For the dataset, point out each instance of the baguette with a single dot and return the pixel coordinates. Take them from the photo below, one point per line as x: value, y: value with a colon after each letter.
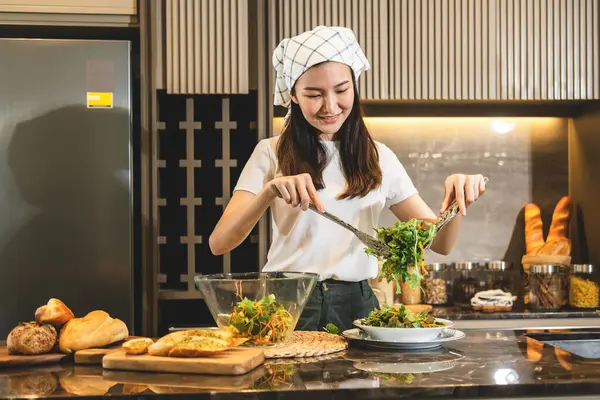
x: 54, y: 313
x: 534, y: 234
x: 560, y: 219
x: 556, y: 247
x: 96, y: 329
x: 194, y: 343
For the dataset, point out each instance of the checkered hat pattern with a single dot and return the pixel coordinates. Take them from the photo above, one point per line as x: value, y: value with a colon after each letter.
x: 293, y: 56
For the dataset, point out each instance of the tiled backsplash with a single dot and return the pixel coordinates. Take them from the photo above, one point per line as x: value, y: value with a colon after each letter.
x: 526, y: 160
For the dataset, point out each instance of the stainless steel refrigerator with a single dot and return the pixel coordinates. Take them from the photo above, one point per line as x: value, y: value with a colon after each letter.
x: 65, y: 178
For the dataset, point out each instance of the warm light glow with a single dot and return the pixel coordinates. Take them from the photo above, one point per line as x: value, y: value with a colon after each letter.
x: 461, y: 124
x: 502, y: 127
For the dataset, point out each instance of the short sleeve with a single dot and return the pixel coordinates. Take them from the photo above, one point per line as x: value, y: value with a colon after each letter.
x: 258, y: 170
x: 399, y: 186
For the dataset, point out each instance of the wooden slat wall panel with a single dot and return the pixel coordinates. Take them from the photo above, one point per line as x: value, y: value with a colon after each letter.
x: 110, y: 7
x: 464, y: 49
x: 207, y: 46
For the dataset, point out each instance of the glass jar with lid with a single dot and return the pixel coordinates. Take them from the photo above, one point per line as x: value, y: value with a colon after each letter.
x: 583, y: 286
x: 547, y: 287
x: 437, y: 284
x: 498, y: 274
x: 468, y: 282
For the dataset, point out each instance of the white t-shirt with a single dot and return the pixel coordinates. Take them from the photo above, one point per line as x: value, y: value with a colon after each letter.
x: 303, y: 241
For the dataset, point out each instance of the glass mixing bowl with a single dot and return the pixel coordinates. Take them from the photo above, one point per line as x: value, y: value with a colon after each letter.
x: 263, y: 306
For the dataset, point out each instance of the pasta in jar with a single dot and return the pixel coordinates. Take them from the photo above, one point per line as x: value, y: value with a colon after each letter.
x: 584, y: 291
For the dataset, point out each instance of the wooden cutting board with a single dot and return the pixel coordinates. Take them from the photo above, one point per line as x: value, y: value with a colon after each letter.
x: 236, y: 361
x: 13, y: 360
x: 95, y: 356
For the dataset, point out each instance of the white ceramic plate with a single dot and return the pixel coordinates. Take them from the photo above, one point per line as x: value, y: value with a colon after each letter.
x: 362, y: 338
x: 404, y: 335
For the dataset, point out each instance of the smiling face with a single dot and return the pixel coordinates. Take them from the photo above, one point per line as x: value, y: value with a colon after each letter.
x: 325, y: 95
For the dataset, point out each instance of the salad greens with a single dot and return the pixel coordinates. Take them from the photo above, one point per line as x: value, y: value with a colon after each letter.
x: 331, y: 328
x: 407, y: 241
x: 391, y: 317
x: 264, y: 321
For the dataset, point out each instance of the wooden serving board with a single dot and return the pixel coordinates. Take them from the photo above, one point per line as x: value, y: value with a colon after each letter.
x: 94, y: 356
x: 236, y: 361
x: 17, y: 360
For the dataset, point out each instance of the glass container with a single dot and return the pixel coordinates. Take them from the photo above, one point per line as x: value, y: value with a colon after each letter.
x: 467, y: 283
x: 437, y: 285
x: 498, y: 276
x: 583, y: 286
x: 547, y: 287
x: 278, y: 298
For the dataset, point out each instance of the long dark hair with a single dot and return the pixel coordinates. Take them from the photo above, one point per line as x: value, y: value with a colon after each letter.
x: 300, y: 151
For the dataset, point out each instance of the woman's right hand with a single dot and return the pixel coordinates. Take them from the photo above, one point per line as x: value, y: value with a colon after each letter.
x: 298, y: 190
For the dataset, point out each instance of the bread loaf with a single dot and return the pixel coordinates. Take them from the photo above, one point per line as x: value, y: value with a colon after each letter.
x: 556, y: 247
x: 194, y: 343
x: 96, y: 329
x: 534, y: 234
x: 55, y: 313
x: 31, y: 338
x: 560, y: 219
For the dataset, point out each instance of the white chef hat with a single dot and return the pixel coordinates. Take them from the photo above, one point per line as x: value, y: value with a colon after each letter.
x: 293, y: 56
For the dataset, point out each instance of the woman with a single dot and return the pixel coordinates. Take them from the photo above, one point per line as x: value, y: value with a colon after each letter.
x: 326, y: 156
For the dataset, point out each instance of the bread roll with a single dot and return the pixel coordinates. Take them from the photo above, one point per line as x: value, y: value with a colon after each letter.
x: 31, y: 338
x: 137, y: 346
x: 96, y: 329
x: 55, y: 313
x: 560, y: 219
x: 534, y: 233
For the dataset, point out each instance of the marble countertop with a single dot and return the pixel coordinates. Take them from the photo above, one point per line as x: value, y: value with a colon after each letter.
x: 498, y: 364
x: 519, y: 311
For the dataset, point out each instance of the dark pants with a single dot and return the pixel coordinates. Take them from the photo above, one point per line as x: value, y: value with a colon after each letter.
x: 337, y: 302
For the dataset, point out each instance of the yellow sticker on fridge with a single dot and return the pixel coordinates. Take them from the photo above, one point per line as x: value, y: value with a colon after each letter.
x: 99, y: 100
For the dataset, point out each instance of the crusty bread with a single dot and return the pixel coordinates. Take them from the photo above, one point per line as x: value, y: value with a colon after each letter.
x: 137, y: 346
x: 197, y: 346
x: 556, y: 247
x: 55, y: 313
x: 31, y: 338
x: 194, y: 343
x: 534, y: 234
x: 96, y: 329
x: 561, y: 218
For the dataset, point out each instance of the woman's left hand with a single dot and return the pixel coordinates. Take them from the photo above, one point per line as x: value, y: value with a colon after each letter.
x: 465, y: 189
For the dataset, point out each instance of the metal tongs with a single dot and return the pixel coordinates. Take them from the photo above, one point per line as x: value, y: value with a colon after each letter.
x: 382, y: 249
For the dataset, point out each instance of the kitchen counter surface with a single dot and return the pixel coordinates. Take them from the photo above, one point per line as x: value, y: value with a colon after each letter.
x: 519, y: 311
x: 496, y: 364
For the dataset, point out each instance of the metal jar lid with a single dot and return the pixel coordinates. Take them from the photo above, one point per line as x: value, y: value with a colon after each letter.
x: 498, y: 266
x: 544, y: 269
x: 436, y: 267
x: 466, y: 265
x: 582, y: 268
